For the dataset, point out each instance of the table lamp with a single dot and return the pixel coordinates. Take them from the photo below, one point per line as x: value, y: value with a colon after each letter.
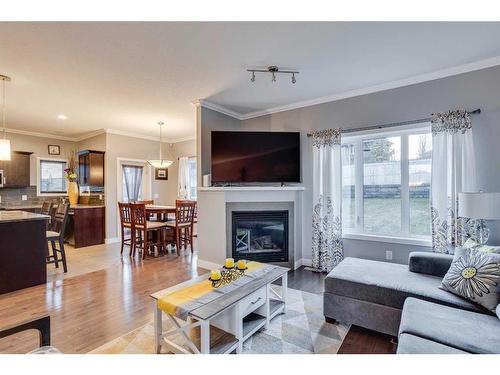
x: 480, y: 206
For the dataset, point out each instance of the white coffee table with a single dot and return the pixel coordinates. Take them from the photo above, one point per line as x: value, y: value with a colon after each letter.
x: 240, y: 313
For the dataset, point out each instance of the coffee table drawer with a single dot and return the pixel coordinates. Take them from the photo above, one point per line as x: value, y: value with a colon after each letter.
x: 253, y: 301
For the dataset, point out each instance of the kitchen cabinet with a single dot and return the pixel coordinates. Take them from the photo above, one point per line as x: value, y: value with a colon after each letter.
x: 86, y: 225
x: 16, y: 171
x: 91, y: 169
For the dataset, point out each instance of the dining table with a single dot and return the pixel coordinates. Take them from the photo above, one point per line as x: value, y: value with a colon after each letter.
x: 160, y: 211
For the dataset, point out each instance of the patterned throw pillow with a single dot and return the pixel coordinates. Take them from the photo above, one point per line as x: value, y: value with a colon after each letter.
x: 475, y: 275
x: 471, y: 244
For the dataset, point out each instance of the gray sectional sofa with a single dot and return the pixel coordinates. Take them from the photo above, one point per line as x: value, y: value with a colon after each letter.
x: 407, y: 301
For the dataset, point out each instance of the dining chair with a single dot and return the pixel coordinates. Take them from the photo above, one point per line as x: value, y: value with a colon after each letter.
x: 144, y: 229
x: 47, y: 210
x: 56, y: 234
x: 182, y: 228
x: 126, y: 224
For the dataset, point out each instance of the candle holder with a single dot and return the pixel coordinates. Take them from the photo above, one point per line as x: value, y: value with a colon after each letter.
x: 227, y: 276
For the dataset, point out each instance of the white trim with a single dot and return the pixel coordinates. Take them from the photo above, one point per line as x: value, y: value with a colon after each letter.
x: 38, y: 181
x: 96, y: 133
x: 111, y: 240
x: 302, y: 262
x: 421, y: 78
x: 251, y: 188
x: 217, y: 108
x: 388, y: 239
x: 40, y: 134
x: 208, y: 265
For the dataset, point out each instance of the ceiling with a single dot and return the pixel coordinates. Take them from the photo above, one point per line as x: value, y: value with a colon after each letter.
x: 127, y: 76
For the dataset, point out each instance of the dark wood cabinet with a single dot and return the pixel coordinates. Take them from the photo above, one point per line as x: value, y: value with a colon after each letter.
x: 16, y: 171
x: 91, y: 169
x: 86, y: 226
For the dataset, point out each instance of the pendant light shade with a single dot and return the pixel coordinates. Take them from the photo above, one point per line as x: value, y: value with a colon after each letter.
x: 4, y: 143
x: 160, y: 163
x: 4, y: 149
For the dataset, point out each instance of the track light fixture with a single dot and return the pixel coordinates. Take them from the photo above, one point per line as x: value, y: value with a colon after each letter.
x: 273, y: 70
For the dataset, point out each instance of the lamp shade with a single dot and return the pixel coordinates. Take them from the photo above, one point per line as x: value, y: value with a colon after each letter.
x: 484, y: 206
x: 4, y: 149
x: 160, y: 163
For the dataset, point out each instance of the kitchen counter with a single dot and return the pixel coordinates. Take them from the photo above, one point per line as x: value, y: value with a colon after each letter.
x: 21, y: 207
x: 23, y: 250
x: 78, y: 206
x: 14, y: 216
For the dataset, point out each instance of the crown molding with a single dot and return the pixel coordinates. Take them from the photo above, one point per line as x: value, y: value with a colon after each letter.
x: 94, y: 134
x: 443, y: 73
x: 40, y: 134
x: 217, y: 108
x: 149, y: 138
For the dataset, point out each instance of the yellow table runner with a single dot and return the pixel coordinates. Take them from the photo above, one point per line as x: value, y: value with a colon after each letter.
x: 173, y: 300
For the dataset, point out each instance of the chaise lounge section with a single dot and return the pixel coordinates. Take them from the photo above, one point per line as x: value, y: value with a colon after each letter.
x: 372, y: 294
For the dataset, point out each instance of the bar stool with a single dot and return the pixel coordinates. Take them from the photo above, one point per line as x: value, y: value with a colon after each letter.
x: 144, y: 228
x: 56, y: 233
x: 126, y: 223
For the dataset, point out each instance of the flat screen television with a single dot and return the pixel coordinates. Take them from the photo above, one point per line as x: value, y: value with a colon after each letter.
x: 255, y: 157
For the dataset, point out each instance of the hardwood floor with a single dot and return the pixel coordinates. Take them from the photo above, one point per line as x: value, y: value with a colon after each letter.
x: 91, y: 309
x: 104, y: 296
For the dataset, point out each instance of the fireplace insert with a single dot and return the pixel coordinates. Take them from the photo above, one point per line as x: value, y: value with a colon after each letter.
x: 260, y: 235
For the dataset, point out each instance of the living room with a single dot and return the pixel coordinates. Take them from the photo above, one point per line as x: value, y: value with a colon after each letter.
x: 264, y: 188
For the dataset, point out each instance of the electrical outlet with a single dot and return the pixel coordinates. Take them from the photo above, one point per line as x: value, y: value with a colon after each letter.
x: 388, y: 254
x: 0, y: 199
x: 100, y: 197
x: 24, y: 197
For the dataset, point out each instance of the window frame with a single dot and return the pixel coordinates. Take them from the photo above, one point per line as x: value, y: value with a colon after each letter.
x: 192, y: 160
x: 357, y: 232
x: 39, y: 192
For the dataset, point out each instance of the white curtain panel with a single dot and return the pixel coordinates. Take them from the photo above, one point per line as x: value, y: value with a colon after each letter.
x: 453, y: 171
x: 327, y: 249
x: 183, y: 178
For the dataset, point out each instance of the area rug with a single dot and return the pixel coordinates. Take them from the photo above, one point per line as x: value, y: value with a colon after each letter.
x: 301, y: 330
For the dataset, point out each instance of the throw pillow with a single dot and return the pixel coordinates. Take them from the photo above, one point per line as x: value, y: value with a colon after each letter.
x: 498, y: 311
x: 475, y: 275
x: 471, y: 244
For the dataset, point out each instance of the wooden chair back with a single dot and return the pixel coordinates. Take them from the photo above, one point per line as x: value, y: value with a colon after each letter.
x: 60, y: 218
x: 184, y: 211
x: 125, y: 214
x: 46, y: 208
x: 138, y: 214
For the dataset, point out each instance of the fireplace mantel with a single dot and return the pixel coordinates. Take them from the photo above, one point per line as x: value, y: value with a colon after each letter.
x: 213, y: 218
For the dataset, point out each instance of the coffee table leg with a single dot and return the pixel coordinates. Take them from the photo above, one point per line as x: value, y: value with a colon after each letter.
x: 158, y: 328
x: 205, y: 337
x: 284, y: 283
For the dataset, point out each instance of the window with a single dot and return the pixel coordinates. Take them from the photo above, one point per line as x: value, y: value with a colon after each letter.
x: 51, y: 179
x: 192, y: 179
x: 386, y: 183
x: 132, y: 183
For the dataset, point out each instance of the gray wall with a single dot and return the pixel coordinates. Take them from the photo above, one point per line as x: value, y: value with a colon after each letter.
x: 207, y: 121
x: 480, y: 89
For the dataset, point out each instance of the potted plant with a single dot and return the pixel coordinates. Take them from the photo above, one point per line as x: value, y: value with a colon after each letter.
x: 72, y: 177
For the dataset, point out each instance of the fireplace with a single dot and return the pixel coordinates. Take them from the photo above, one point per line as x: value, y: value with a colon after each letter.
x: 260, y: 235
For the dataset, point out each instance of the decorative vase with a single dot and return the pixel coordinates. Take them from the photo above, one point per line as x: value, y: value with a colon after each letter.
x: 73, y: 193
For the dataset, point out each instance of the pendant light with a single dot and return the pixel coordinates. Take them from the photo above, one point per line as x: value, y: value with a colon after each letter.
x: 4, y: 143
x: 161, y: 163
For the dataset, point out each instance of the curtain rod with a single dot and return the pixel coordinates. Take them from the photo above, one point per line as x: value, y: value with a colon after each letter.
x: 394, y: 124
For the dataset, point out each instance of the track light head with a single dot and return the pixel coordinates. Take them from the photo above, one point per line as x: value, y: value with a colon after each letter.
x: 274, y: 77
x: 293, y: 78
x: 253, y: 77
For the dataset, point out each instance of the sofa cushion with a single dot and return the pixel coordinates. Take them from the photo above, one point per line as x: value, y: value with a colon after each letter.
x: 435, y: 264
x: 475, y: 275
x: 410, y: 344
x: 498, y: 311
x: 463, y: 330
x: 388, y: 284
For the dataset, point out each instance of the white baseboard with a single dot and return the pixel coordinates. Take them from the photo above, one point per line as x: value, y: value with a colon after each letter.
x: 111, y: 240
x: 208, y: 265
x: 302, y: 262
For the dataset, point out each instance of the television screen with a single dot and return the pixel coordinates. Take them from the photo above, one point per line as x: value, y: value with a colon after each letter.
x: 255, y: 156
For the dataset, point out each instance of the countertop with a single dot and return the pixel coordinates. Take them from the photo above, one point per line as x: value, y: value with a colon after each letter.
x: 76, y: 206
x: 21, y: 207
x: 13, y: 216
